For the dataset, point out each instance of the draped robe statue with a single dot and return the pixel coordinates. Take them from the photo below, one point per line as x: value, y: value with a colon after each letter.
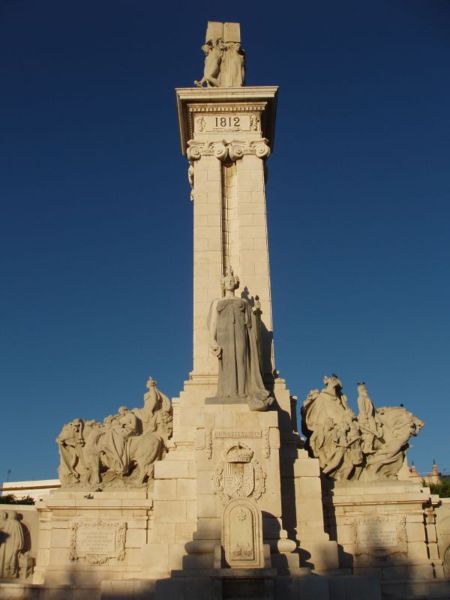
x: 233, y: 340
x: 11, y: 543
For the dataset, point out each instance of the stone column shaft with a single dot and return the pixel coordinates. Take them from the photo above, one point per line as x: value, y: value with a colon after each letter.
x: 226, y: 135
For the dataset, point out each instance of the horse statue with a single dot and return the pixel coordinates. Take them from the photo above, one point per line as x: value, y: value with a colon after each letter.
x: 120, y: 451
x: 367, y: 447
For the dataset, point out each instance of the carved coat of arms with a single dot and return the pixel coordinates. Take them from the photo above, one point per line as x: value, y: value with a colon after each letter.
x: 240, y: 475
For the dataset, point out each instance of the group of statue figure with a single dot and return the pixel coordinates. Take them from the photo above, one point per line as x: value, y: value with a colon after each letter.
x: 11, y: 544
x: 224, y: 64
x: 367, y: 447
x: 119, y: 451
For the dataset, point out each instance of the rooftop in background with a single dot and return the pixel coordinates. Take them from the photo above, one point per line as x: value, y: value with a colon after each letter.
x: 34, y: 489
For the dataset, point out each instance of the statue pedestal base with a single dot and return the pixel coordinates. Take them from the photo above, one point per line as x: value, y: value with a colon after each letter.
x: 384, y: 528
x: 86, y: 537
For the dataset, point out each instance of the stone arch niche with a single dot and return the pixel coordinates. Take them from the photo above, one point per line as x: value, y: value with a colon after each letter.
x: 242, y: 536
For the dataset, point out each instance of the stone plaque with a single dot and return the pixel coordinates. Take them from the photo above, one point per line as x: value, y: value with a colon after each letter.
x: 97, y: 542
x: 220, y: 123
x: 380, y: 535
x: 242, y: 535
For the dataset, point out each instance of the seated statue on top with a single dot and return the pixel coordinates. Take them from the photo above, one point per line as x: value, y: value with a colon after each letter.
x: 367, y: 447
x: 121, y: 450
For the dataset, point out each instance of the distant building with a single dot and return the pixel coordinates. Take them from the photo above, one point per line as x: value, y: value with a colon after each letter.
x: 431, y: 478
x: 34, y: 489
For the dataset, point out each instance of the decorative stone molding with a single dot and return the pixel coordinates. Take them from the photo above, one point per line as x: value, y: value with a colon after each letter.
x: 239, y: 475
x: 227, y: 150
x: 97, y: 542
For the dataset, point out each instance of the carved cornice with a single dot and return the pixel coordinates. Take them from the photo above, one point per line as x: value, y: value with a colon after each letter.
x: 223, y: 108
x: 227, y: 150
x: 258, y: 100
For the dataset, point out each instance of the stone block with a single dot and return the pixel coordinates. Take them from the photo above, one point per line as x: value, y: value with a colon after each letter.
x: 354, y: 588
x: 306, y: 467
x: 271, y: 503
x: 170, y: 511
x: 184, y: 531
x: 417, y: 551
x: 308, y: 487
x: 186, y: 489
x: 165, y: 489
x: 176, y: 554
x: 345, y: 534
x: 136, y: 538
x: 171, y: 469
x: 198, y: 561
x: 415, y: 532
x: 191, y: 510
x: 207, y: 506
x: 155, y: 558
x: 205, y: 483
x: 208, y: 529
x: 431, y: 533
x: 163, y: 532
x: 322, y: 556
x: 195, y: 588
x: 304, y: 586
x: 60, y: 538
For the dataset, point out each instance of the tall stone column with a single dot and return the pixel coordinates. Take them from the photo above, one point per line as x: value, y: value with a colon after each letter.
x: 226, y: 134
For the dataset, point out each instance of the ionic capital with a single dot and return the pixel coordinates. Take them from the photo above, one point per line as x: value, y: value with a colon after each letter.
x: 227, y: 150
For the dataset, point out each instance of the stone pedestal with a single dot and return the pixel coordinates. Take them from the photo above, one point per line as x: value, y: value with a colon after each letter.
x: 86, y: 537
x: 383, y: 529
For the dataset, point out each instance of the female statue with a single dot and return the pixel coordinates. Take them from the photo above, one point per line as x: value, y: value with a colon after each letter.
x: 232, y: 339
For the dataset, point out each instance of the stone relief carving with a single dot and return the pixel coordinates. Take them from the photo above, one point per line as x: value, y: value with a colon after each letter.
x: 369, y: 446
x: 232, y: 339
x: 121, y: 450
x: 242, y: 535
x: 224, y: 57
x: 227, y: 150
x: 97, y: 542
x: 11, y: 544
x: 239, y: 475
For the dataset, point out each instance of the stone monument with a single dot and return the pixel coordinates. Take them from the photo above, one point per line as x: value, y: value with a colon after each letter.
x: 214, y: 494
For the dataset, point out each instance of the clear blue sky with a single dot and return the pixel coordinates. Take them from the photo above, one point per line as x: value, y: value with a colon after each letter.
x: 96, y: 222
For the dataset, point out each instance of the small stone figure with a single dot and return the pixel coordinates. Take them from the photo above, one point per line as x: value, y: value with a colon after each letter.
x: 213, y: 58
x: 11, y: 543
x: 115, y: 446
x: 232, y: 335
x: 367, y: 447
x: 120, y: 451
x: 224, y: 57
x: 371, y: 428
